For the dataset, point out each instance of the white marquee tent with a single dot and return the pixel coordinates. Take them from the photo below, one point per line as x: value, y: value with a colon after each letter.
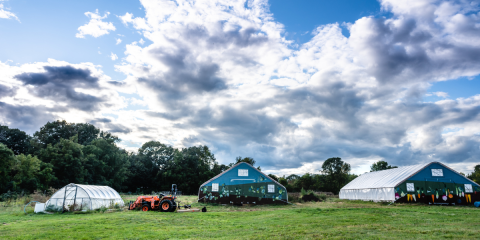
x: 88, y: 197
x: 380, y: 185
x: 409, y: 183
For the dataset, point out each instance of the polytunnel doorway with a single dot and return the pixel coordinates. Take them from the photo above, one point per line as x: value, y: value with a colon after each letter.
x: 77, y: 197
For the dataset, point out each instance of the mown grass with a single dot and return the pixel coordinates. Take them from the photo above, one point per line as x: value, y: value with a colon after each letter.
x: 331, y: 219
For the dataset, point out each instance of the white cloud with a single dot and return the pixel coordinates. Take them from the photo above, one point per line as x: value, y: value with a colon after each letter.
x: 32, y: 94
x: 354, y: 97
x: 221, y: 73
x: 95, y: 27
x: 6, y: 14
x: 118, y: 41
x: 438, y: 94
x: 141, y: 41
x: 113, y: 56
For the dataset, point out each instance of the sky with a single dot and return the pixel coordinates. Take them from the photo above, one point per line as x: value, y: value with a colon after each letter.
x: 289, y: 83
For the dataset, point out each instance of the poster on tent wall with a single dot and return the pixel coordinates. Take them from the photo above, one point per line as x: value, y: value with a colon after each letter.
x: 437, y: 193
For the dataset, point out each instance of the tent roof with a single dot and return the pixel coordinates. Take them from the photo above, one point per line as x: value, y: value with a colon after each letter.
x: 390, y: 178
x: 386, y: 178
x: 234, y: 166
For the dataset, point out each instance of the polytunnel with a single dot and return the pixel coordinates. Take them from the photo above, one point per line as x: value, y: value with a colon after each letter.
x: 81, y: 197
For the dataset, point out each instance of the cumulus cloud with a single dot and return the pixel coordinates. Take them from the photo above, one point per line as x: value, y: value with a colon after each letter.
x: 221, y: 73
x: 230, y: 80
x: 61, y: 83
x: 95, y: 27
x: 118, y: 41
x: 32, y: 94
x: 113, y: 56
x: 6, y: 14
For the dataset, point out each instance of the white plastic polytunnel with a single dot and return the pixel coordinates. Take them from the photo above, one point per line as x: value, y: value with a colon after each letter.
x: 84, y: 197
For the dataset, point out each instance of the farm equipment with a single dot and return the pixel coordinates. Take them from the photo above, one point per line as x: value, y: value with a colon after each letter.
x: 161, y: 202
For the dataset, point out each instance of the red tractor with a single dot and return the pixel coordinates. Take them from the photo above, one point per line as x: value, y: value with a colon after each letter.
x: 155, y: 203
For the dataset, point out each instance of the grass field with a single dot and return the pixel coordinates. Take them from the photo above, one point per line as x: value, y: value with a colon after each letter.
x: 331, y: 219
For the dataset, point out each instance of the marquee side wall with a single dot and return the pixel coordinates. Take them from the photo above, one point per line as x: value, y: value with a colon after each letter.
x: 370, y: 194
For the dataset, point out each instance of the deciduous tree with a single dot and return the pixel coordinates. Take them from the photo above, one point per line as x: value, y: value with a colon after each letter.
x: 16, y: 140
x: 475, y: 175
x: 380, y: 165
x: 7, y: 160
x: 336, y: 174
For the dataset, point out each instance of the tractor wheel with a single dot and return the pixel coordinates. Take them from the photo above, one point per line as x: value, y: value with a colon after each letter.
x: 145, y: 208
x: 167, y: 206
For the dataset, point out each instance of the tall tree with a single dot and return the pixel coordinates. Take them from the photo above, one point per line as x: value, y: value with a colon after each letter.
x: 146, y: 166
x: 219, y: 168
x: 157, y: 166
x: 7, y: 161
x: 273, y: 177
x: 68, y: 161
x: 87, y: 133
x: 248, y: 160
x: 26, y: 171
x: 475, y: 175
x: 18, y: 141
x: 380, y: 165
x: 53, y: 132
x: 106, y: 164
x: 190, y: 168
x: 292, y: 177
x: 336, y: 174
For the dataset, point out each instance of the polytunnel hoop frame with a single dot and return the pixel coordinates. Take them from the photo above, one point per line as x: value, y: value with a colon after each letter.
x: 103, y: 194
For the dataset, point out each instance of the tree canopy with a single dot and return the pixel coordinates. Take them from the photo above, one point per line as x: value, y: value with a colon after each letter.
x: 16, y: 140
x: 61, y: 153
x: 337, y: 174
x: 380, y: 165
x: 475, y: 175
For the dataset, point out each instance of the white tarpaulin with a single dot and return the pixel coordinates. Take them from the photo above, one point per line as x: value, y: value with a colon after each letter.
x: 39, y: 207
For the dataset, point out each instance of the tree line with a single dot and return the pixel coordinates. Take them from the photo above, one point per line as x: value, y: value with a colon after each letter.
x: 60, y: 153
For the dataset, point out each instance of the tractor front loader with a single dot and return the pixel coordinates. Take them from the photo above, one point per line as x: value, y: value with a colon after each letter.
x: 155, y: 203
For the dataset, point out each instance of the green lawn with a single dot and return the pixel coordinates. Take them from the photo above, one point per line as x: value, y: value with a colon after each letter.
x: 332, y: 219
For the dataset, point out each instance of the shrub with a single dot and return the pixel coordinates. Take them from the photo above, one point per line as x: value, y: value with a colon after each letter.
x: 322, y: 197
x: 27, y: 199
x: 102, y: 209
x: 39, y: 196
x: 310, y: 197
x: 117, y: 206
x: 294, y: 197
x: 303, y: 192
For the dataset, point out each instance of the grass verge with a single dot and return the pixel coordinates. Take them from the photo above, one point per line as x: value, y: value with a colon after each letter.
x: 333, y: 218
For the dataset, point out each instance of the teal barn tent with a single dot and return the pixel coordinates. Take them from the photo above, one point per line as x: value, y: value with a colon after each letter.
x: 242, y: 184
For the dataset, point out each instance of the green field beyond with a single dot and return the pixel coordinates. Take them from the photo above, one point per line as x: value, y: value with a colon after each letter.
x: 331, y: 219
